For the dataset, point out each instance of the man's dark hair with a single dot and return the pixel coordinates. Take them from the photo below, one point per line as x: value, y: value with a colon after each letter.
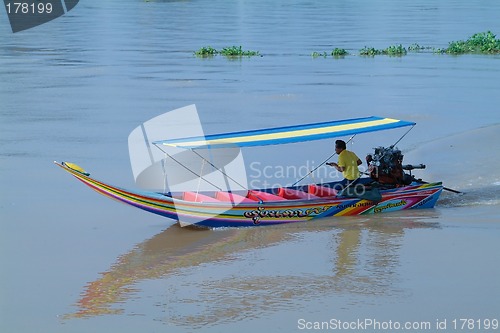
x: 340, y: 144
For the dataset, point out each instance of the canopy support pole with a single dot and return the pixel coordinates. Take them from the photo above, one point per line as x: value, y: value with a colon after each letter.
x: 219, y: 169
x: 164, y: 167
x: 199, y: 181
x: 185, y: 167
x: 401, y: 138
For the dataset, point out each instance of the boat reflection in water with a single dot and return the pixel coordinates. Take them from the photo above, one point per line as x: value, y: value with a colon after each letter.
x: 361, y: 256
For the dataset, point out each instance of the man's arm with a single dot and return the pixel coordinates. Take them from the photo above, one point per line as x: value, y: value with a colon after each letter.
x: 336, y: 166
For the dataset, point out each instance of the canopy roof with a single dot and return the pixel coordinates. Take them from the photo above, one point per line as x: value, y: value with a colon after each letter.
x: 288, y: 134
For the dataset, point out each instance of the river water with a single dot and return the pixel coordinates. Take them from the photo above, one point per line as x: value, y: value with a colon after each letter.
x: 74, y: 88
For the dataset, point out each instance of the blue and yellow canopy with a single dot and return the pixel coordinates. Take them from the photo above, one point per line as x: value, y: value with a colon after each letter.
x: 288, y: 134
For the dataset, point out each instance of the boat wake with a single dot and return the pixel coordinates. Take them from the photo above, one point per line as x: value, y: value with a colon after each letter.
x: 485, y: 196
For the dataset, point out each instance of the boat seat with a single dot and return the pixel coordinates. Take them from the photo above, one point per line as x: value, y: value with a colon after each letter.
x: 264, y: 196
x: 198, y: 197
x: 321, y: 191
x: 291, y: 194
x: 232, y: 197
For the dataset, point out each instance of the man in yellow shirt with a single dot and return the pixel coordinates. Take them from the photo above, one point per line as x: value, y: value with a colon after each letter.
x: 347, y: 164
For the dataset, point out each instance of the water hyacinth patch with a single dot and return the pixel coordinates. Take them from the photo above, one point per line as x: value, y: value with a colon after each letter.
x: 336, y: 53
x: 483, y: 43
x: 339, y: 52
x: 237, y: 51
x: 319, y: 54
x: 233, y: 51
x: 369, y: 51
x: 418, y: 48
x: 395, y: 50
x: 206, y: 51
x: 479, y: 43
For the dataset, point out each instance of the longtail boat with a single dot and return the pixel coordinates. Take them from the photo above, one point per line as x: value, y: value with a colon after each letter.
x: 278, y: 205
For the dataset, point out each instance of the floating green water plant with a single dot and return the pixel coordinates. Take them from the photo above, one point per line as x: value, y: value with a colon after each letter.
x: 479, y: 43
x: 319, y: 54
x: 483, y: 42
x: 206, y: 51
x: 237, y: 51
x: 233, y: 51
x: 395, y: 50
x: 417, y: 48
x: 339, y: 52
x: 369, y: 51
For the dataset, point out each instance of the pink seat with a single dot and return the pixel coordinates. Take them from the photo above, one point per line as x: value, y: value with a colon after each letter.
x: 291, y: 194
x: 322, y: 191
x: 232, y: 197
x: 264, y: 196
x: 198, y: 197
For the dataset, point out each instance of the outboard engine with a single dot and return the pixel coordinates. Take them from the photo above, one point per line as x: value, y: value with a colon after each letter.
x: 386, y: 166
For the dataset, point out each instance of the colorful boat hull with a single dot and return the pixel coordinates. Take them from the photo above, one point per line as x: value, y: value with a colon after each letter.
x: 260, y: 213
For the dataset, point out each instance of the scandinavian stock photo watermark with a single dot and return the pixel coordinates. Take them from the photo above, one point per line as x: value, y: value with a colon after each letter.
x: 27, y: 14
x: 372, y: 324
x: 262, y: 175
